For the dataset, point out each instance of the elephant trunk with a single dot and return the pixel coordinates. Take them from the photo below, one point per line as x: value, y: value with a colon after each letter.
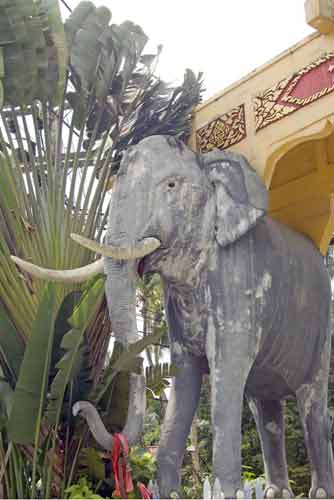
x: 121, y: 296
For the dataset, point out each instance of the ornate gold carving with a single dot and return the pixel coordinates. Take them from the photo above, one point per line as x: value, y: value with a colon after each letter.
x: 289, y: 95
x: 223, y: 132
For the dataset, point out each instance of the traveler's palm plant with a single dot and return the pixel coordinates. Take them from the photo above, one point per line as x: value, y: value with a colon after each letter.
x: 73, y: 96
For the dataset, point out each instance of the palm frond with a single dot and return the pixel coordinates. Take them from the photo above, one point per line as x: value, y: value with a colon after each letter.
x: 32, y: 41
x: 157, y: 376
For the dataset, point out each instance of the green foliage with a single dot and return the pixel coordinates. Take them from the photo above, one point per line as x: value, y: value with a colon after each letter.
x: 157, y: 377
x: 6, y: 403
x: 81, y: 490
x: 31, y: 37
x: 32, y: 384
x: 69, y: 365
x: 93, y: 478
x: 96, y: 469
x: 91, y: 464
x: 299, y: 468
x: 143, y: 465
x: 11, y: 347
x: 192, y: 480
x: 126, y: 360
x: 152, y: 424
x: 298, y: 464
x: 81, y: 382
x: 112, y: 394
x: 151, y: 307
x: 250, y: 447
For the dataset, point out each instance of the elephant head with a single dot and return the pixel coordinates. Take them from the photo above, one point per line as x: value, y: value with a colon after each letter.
x: 170, y: 204
x: 169, y: 207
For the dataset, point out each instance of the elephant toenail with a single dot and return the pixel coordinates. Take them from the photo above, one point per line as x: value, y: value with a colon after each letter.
x: 270, y: 493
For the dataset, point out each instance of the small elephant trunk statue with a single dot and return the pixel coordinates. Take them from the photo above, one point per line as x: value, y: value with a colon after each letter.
x: 136, y: 410
x: 95, y: 424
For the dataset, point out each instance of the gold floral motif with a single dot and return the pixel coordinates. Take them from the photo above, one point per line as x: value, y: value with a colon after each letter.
x: 223, y: 132
x: 276, y: 102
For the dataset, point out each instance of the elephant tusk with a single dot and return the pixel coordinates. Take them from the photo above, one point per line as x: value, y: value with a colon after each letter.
x: 145, y: 247
x: 77, y: 275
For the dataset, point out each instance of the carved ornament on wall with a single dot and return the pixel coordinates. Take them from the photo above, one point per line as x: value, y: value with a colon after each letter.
x: 223, y: 132
x: 291, y: 94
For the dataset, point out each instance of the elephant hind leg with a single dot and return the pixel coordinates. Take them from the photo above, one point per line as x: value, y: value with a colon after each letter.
x: 317, y: 425
x: 269, y: 419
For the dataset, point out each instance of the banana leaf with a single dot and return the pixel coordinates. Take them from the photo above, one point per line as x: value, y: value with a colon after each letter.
x: 31, y: 388
x: 6, y: 402
x: 124, y: 360
x: 11, y: 348
x: 72, y: 344
x: 112, y: 392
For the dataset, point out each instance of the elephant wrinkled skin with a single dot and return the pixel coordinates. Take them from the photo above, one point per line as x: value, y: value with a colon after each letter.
x: 247, y: 301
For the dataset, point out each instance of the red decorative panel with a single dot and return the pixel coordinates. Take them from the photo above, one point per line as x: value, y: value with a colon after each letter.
x: 304, y: 87
x: 223, y: 132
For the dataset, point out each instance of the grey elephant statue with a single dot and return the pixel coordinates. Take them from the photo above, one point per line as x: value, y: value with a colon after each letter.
x: 247, y: 300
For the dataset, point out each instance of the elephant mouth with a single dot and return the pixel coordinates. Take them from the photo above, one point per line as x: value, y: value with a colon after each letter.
x: 141, y: 268
x: 149, y: 263
x: 144, y: 265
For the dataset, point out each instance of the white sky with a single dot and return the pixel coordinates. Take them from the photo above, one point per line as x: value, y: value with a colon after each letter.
x: 226, y: 39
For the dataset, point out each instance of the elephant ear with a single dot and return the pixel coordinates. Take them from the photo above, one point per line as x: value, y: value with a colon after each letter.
x: 241, y: 196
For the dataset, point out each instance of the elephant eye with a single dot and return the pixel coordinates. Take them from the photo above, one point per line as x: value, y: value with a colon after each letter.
x: 171, y: 184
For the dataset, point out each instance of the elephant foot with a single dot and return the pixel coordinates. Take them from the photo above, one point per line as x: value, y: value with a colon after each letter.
x: 173, y: 495
x: 273, y: 491
x: 239, y: 495
x: 320, y: 492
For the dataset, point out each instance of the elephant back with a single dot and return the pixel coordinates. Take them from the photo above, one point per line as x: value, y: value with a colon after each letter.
x: 277, y: 277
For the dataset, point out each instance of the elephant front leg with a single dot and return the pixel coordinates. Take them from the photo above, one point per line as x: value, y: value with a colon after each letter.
x: 228, y: 373
x: 181, y: 408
